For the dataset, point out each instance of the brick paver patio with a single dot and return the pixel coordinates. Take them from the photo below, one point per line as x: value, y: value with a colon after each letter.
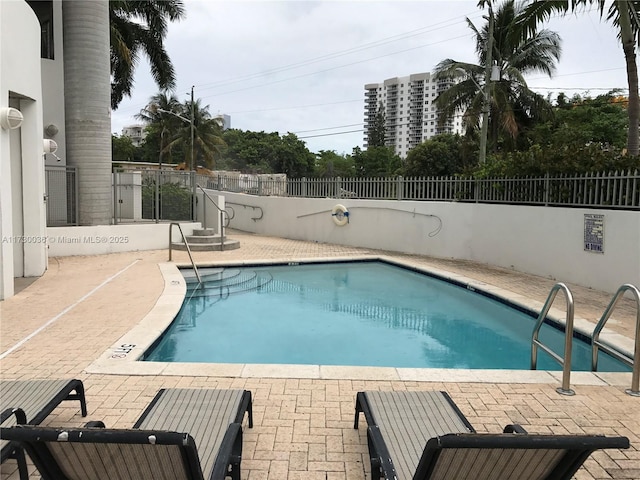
x: 303, y: 427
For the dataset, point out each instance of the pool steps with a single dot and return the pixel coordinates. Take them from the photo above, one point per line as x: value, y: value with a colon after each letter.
x: 206, y: 240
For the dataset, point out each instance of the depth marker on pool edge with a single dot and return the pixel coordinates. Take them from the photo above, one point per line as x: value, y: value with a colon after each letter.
x: 70, y: 307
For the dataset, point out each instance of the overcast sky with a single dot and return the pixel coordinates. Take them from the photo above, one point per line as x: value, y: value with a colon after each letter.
x: 301, y: 66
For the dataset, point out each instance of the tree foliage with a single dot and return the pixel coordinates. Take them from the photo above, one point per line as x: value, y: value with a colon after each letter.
x: 580, y: 121
x: 377, y: 134
x: 140, y: 27
x: 624, y: 15
x: 375, y: 162
x: 517, y: 51
x: 330, y: 164
x: 260, y: 152
x: 169, y: 132
x: 175, y: 201
x: 539, y: 161
x: 440, y: 155
x: 585, y: 135
x: 124, y: 150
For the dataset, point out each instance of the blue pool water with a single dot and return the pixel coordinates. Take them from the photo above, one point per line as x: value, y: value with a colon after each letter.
x: 353, y: 313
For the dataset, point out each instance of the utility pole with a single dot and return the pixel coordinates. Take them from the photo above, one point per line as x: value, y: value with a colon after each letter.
x: 487, y: 90
x: 193, y: 166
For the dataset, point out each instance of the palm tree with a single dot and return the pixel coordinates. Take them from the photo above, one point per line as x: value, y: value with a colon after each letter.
x: 207, y: 135
x: 516, y: 51
x: 169, y: 119
x: 140, y: 27
x: 89, y: 29
x: 625, y: 15
x: 160, y: 115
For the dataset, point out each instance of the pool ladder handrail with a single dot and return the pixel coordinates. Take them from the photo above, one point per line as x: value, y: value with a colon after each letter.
x: 596, y: 344
x: 565, y: 389
x: 193, y: 264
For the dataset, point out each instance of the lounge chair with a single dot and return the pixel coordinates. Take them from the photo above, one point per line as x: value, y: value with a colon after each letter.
x: 423, y: 435
x: 30, y: 402
x: 161, y: 444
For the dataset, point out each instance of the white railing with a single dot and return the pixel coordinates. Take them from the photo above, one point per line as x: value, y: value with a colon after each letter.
x: 609, y: 190
x: 612, y: 190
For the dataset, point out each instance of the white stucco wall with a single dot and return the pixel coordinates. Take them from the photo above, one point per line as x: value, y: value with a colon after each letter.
x: 537, y: 240
x: 104, y: 239
x: 20, y: 81
x: 206, y: 211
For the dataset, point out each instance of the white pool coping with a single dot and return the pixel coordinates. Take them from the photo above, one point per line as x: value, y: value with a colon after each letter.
x: 122, y: 358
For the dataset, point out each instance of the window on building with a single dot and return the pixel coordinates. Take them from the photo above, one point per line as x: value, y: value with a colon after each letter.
x: 44, y: 12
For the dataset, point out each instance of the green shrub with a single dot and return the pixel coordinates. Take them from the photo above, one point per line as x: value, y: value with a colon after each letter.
x: 175, y: 201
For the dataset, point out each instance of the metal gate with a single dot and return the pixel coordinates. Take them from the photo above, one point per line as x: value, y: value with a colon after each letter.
x: 61, y: 190
x: 152, y: 196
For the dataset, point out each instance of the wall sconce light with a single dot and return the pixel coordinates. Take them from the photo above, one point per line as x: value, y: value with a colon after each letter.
x: 49, y: 145
x: 10, y: 118
x: 51, y: 130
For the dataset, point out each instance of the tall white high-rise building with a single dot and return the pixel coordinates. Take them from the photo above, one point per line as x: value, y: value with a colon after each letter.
x: 410, y: 111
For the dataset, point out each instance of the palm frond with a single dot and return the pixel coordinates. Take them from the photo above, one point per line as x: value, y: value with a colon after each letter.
x: 140, y: 27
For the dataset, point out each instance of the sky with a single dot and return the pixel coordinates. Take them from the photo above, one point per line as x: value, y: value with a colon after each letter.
x: 300, y: 66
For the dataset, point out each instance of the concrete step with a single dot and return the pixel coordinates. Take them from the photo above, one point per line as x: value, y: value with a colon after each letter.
x: 193, y: 239
x: 197, y: 232
x: 208, y: 247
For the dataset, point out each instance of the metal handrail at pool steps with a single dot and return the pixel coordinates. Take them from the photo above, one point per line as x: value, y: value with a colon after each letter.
x: 632, y: 361
x: 568, y: 337
x: 193, y: 264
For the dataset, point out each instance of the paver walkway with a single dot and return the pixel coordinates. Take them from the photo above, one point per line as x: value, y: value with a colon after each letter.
x: 303, y: 427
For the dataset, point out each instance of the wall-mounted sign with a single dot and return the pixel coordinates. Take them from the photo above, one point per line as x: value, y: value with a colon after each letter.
x: 593, y: 233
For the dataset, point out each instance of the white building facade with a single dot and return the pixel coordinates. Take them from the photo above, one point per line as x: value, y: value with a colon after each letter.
x: 136, y: 133
x: 224, y: 120
x: 23, y: 248
x: 410, y: 111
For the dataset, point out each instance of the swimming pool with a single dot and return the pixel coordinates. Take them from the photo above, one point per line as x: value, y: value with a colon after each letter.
x: 352, y: 313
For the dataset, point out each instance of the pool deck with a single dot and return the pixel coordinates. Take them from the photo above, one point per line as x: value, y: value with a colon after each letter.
x: 61, y: 325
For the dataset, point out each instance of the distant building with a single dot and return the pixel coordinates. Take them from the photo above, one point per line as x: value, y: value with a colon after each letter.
x: 136, y: 133
x: 410, y: 111
x: 224, y: 120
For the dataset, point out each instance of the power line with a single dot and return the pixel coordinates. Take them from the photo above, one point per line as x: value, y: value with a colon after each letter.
x: 333, y: 68
x: 331, y: 134
x: 586, y: 89
x: 581, y: 73
x: 366, y: 46
x: 314, y: 61
x: 295, y: 107
x: 394, y: 38
x: 327, y: 128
